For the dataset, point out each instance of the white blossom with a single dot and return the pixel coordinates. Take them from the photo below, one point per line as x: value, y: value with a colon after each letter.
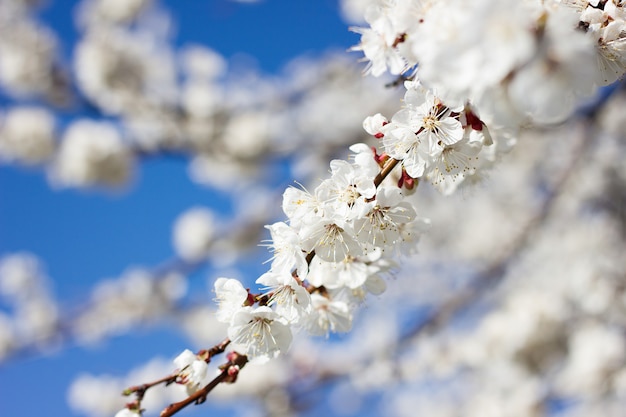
x: 559, y: 75
x: 379, y: 42
x: 402, y: 143
x: 193, y: 234
x: 380, y: 225
x: 27, y: 135
x: 328, y: 316
x: 123, y: 71
x: 373, y: 124
x: 595, y: 353
x: 300, y: 206
x: 453, y: 163
x: 231, y: 296
x: 200, y: 62
x: 27, y: 57
x: 259, y: 333
x: 466, y: 47
x: 350, y: 272
x: 191, y: 370
x: 288, y: 255
x: 346, y: 190
x: 21, y: 275
x: 92, y: 153
x: 332, y: 239
x: 437, y: 123
x: 289, y: 297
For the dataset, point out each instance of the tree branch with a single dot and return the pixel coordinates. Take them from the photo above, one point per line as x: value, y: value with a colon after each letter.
x: 236, y: 363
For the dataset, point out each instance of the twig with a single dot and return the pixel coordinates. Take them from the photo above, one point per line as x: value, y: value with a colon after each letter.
x: 140, y: 390
x: 236, y: 363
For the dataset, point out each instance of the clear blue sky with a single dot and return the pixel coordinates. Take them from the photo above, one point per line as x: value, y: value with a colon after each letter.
x: 86, y: 236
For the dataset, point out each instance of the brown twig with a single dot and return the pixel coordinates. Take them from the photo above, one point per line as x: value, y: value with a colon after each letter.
x: 237, y: 362
x: 140, y: 390
x: 390, y: 164
x: 217, y: 349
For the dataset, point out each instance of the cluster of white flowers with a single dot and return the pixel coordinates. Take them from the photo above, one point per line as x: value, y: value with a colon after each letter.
x: 513, y: 60
x: 92, y: 153
x: 434, y: 141
x: 341, y: 239
x: 335, y: 249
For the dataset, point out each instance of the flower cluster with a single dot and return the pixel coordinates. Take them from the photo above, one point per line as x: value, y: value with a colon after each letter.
x: 335, y: 249
x: 514, y: 60
x: 441, y: 143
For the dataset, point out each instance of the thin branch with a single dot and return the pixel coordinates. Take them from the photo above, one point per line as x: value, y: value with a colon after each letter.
x: 389, y: 166
x: 198, y: 397
x: 140, y: 390
x: 217, y: 349
x: 237, y: 362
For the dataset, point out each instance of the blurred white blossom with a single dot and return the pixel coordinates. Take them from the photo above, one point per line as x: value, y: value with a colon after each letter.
x: 194, y: 233
x: 27, y: 135
x: 92, y: 153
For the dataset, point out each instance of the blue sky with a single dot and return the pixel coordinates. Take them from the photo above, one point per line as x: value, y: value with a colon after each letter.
x: 84, y: 236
